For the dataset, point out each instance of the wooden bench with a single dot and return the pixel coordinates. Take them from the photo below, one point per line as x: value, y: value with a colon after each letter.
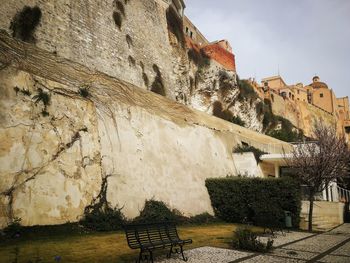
x: 149, y: 237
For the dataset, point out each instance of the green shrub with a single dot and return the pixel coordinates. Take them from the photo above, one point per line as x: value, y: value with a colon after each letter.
x: 42, y: 96
x: 198, y: 58
x: 239, y: 200
x: 247, y: 240
x: 260, y: 108
x: 155, y: 211
x: 100, y: 216
x: 237, y: 120
x: 219, y: 112
x: 107, y: 219
x: 286, y: 133
x: 269, y: 119
x: 204, y: 218
x: 246, y: 90
x: 14, y: 229
x: 84, y: 91
x: 244, y: 149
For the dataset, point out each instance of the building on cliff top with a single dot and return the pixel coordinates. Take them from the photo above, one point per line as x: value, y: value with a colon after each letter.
x: 316, y: 93
x: 219, y: 51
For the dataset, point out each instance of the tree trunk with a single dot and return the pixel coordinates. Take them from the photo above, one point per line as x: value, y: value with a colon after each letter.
x: 311, y: 208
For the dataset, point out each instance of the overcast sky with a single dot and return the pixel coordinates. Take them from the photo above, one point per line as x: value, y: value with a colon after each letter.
x: 298, y: 38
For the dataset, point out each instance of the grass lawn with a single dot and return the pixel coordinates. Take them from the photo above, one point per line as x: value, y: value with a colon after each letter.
x: 102, y: 247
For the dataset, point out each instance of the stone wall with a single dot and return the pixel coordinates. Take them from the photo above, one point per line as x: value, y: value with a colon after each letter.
x: 97, y: 128
x: 85, y: 32
x: 301, y: 114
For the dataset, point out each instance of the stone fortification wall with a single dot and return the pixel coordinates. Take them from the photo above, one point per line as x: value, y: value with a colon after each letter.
x: 56, y: 152
x: 87, y: 32
x: 301, y: 114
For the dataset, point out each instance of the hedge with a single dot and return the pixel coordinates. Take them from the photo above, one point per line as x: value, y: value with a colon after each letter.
x: 257, y: 200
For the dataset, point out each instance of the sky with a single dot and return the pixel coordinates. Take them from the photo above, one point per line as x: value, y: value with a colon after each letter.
x: 297, y: 39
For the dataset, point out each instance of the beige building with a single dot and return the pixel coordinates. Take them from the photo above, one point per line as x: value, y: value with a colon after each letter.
x: 193, y: 33
x: 274, y: 83
x: 343, y: 107
x: 299, y: 92
x: 321, y: 96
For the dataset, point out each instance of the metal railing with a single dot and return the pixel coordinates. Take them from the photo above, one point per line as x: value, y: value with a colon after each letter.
x: 343, y: 194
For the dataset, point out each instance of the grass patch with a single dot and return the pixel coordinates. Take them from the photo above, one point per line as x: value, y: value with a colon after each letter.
x: 105, y: 247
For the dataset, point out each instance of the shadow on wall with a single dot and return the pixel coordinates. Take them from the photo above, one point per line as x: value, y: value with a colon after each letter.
x: 25, y: 22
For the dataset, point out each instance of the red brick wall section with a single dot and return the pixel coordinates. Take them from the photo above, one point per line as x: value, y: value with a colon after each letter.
x: 220, y: 55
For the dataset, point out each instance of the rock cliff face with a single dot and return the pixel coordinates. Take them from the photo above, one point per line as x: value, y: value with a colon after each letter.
x: 66, y: 128
x: 132, y: 40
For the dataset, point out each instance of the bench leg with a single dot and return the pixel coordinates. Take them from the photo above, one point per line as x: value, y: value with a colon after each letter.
x: 170, y: 252
x: 182, y: 253
x: 148, y: 256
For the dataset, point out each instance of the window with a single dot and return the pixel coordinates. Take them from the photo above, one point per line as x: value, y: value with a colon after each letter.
x: 321, y: 95
x: 191, y: 34
x: 298, y: 91
x: 186, y: 29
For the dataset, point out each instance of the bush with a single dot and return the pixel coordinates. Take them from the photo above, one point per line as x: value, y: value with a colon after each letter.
x: 108, y: 219
x: 248, y: 240
x: 155, y: 211
x: 246, y: 90
x: 238, y: 200
x: 219, y: 112
x: 237, y: 120
x: 204, y: 218
x: 14, y: 229
x: 100, y: 216
x: 287, y: 132
x: 244, y: 149
x: 269, y: 118
x: 199, y: 58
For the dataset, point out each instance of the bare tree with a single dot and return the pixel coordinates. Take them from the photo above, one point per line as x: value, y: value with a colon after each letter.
x: 319, y: 163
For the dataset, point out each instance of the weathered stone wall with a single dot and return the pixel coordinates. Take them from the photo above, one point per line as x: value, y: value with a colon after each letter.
x: 301, y: 114
x: 54, y: 158
x: 84, y: 31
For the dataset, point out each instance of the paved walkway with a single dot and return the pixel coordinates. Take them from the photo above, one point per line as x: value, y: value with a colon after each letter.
x: 329, y: 247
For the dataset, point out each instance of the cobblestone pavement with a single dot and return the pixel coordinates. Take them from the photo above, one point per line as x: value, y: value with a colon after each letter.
x: 329, y: 247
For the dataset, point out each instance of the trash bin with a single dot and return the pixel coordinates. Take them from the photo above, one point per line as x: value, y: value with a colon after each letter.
x: 288, y: 219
